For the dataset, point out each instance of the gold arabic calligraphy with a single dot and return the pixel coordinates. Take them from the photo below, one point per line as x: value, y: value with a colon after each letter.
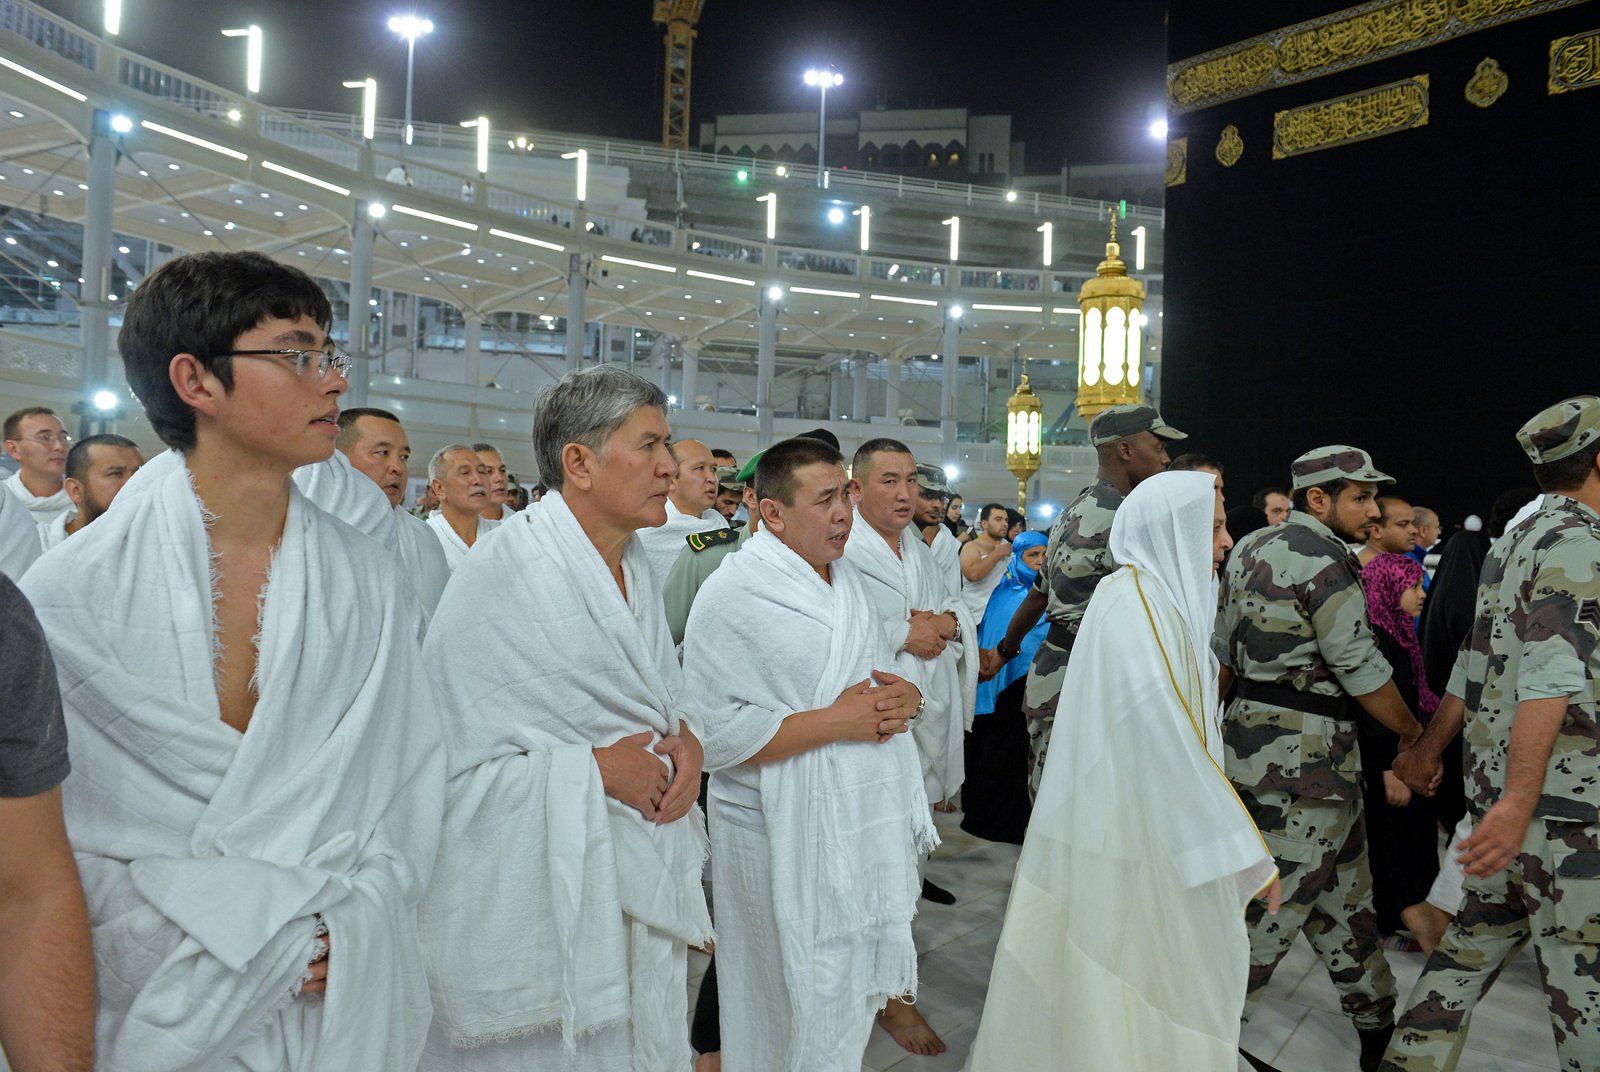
x: 1371, y: 113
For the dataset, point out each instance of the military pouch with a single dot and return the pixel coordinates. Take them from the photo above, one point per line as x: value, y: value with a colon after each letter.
x: 1575, y: 887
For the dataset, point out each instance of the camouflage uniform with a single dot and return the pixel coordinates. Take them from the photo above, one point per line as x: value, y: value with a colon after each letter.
x: 1077, y: 558
x: 1295, y: 616
x: 1536, y: 634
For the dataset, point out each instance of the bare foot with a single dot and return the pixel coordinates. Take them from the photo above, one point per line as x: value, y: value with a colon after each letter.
x: 907, y: 1027
x: 944, y: 807
x: 1426, y: 924
x: 709, y: 1062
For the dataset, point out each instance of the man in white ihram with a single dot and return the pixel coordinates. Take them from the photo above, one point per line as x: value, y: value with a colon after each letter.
x: 1124, y: 944
x: 567, y: 890
x: 690, y: 507
x: 818, y: 817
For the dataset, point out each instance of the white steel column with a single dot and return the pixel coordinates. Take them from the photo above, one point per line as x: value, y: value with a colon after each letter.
x: 577, y: 285
x: 360, y: 319
x: 891, y: 387
x: 94, y: 311
x: 950, y: 358
x: 691, y: 373
x: 863, y: 387
x: 766, y: 368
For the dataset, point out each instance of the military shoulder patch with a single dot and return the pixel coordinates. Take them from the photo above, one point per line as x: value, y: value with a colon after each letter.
x: 699, y: 541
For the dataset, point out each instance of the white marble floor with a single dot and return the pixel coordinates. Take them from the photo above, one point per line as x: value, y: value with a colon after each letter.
x: 1298, y: 1027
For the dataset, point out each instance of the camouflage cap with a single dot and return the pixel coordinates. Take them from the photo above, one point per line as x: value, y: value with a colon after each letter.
x: 1326, y: 464
x: 931, y: 478
x: 1119, y: 422
x: 1562, y: 430
x: 728, y: 479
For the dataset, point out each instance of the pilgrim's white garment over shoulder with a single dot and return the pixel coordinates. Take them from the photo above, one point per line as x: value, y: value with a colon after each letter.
x: 209, y: 856
x: 557, y: 926
x: 947, y: 553
x: 422, y: 559
x: 895, y: 586
x: 454, y: 547
x: 1124, y: 943
x: 44, y: 508
x: 815, y: 856
x: 665, y: 542
x: 19, y: 537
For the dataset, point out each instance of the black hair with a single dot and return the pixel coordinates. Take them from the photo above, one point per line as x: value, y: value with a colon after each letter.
x: 1187, y: 463
x: 200, y: 304
x: 349, y: 433
x: 1505, y: 508
x: 864, y: 453
x: 775, y: 471
x: 989, y: 508
x: 78, y: 456
x: 1334, y: 488
x: 1259, y: 499
x: 1569, y: 473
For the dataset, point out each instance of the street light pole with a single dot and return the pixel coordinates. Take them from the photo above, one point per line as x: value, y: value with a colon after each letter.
x: 410, y: 27
x: 824, y: 80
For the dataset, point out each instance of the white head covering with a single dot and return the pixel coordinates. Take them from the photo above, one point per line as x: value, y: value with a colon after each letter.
x: 1163, y: 528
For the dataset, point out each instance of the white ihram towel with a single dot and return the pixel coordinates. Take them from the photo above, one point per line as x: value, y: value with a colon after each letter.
x: 848, y: 822
x: 896, y: 585
x: 547, y: 891
x: 208, y: 855
x: 19, y: 536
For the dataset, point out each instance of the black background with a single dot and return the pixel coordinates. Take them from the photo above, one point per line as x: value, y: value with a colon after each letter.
x: 1419, y: 295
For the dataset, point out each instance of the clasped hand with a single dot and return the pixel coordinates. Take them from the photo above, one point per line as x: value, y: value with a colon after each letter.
x: 929, y: 634
x: 632, y: 772
x: 868, y: 712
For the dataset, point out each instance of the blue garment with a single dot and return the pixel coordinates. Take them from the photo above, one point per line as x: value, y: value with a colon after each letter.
x: 1420, y: 553
x: 1003, y: 603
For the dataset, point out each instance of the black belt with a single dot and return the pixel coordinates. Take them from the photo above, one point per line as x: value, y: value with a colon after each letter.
x: 1061, y: 635
x: 1311, y: 703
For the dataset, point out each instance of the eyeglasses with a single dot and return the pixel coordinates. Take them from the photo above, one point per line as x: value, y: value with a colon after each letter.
x: 324, y: 361
x: 50, y: 439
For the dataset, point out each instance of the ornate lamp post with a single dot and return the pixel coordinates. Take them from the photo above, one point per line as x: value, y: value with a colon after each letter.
x: 1110, y: 334
x: 1024, y: 449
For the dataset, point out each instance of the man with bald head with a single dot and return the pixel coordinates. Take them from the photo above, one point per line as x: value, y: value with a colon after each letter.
x: 690, y: 506
x: 460, y: 481
x: 375, y: 442
x: 97, y: 468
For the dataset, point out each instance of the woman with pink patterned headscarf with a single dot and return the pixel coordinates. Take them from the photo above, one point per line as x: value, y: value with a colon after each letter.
x: 1402, y: 830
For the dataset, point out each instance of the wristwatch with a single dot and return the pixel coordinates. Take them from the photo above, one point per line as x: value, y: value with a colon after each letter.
x: 922, y: 702
x: 957, y: 637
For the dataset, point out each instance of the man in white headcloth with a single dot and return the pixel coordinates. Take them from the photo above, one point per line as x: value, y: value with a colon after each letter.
x: 568, y: 889
x: 256, y: 794
x: 1124, y: 944
x: 460, y: 481
x: 38, y: 442
x: 818, y: 816
x: 97, y: 467
x: 375, y: 442
x: 691, y: 507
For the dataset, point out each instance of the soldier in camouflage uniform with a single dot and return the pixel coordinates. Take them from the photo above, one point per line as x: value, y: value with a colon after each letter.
x: 1294, y: 636
x: 1529, y: 668
x: 1132, y: 445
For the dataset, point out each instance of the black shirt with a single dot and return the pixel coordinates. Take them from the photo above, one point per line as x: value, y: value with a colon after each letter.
x: 33, y: 737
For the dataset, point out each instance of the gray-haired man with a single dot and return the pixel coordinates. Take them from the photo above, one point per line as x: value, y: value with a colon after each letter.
x: 460, y: 481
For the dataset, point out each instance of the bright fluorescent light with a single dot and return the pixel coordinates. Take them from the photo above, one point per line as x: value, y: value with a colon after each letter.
x: 447, y: 220
x: 369, y: 105
x: 376, y: 210
x: 192, y: 140
x: 775, y: 292
x: 772, y: 214
x: 639, y: 264
x: 954, y: 223
x: 1158, y: 129
x: 865, y: 212
x: 41, y: 79
x: 1049, y: 231
x: 582, y: 157
x: 482, y: 123
x: 113, y: 17
x: 409, y: 26
x: 1067, y: 310
x: 1138, y: 247
x: 1009, y: 308
x: 105, y: 401
x: 526, y: 240
x: 903, y: 301
x: 121, y: 124
x: 956, y: 312
x: 836, y: 215
x: 303, y: 177
x: 827, y: 293
x: 252, y: 55
x: 720, y: 278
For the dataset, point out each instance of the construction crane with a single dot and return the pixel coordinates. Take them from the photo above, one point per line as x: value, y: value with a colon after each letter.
x: 680, y: 18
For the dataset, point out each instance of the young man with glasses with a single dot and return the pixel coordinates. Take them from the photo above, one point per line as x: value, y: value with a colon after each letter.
x: 38, y: 442
x: 235, y: 664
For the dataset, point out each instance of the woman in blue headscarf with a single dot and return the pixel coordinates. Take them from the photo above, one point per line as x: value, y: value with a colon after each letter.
x: 995, y: 796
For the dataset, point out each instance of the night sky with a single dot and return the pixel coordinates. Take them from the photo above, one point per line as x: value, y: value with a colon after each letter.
x: 1080, y: 79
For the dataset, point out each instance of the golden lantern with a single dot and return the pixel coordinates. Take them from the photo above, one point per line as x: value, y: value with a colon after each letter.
x: 1024, y: 443
x: 1110, y: 334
